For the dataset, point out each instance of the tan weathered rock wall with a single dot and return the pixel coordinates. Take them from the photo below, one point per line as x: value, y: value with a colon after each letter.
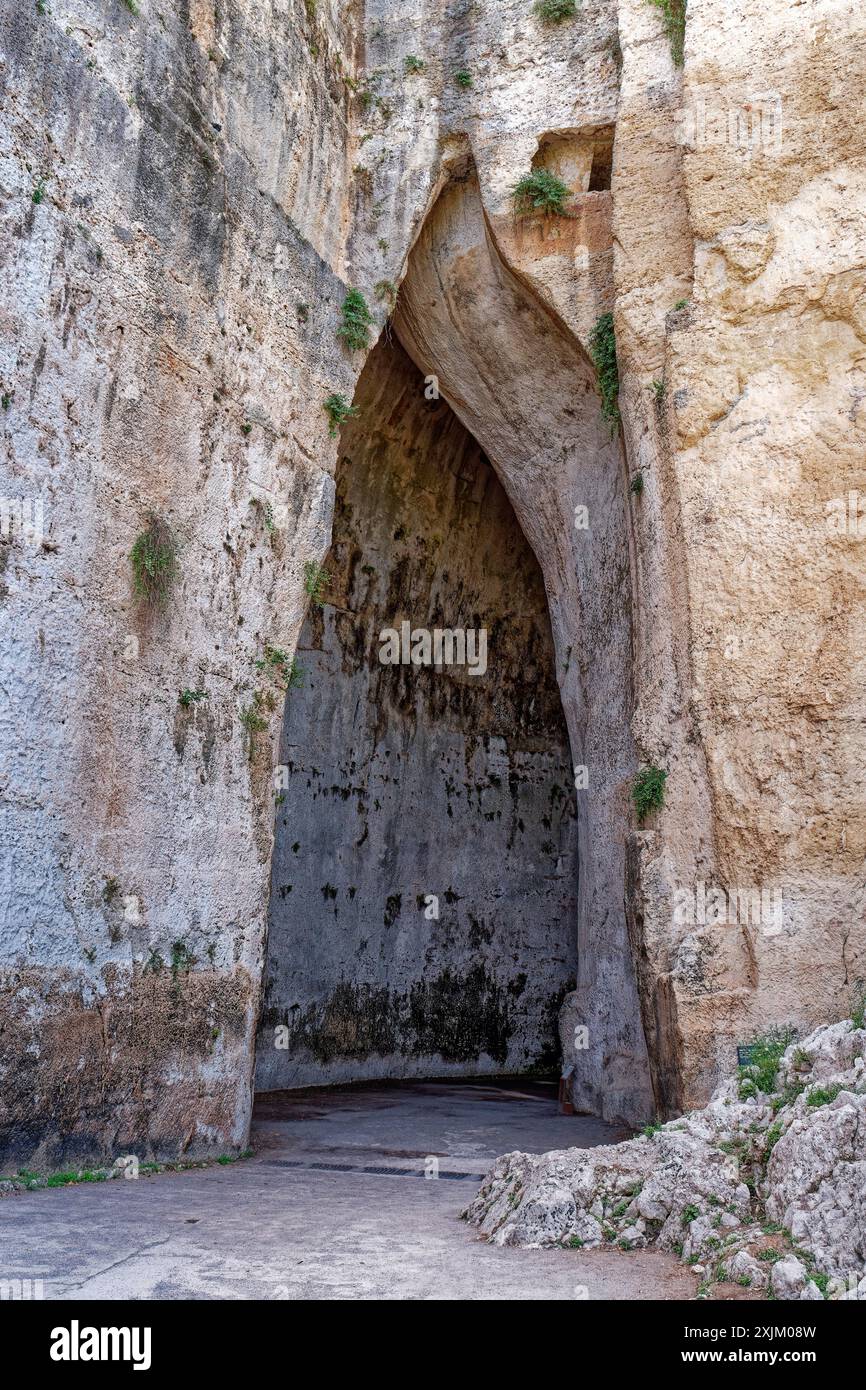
x: 738, y: 187
x: 208, y: 182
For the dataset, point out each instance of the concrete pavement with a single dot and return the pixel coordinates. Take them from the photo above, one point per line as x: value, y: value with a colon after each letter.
x: 334, y: 1205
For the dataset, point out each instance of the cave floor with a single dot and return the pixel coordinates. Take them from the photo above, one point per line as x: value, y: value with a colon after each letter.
x: 333, y: 1205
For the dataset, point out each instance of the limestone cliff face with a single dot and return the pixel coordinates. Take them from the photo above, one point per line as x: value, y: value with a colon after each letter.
x: 185, y: 198
x: 742, y: 195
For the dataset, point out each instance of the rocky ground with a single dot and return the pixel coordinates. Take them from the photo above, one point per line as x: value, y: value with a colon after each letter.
x: 765, y: 1188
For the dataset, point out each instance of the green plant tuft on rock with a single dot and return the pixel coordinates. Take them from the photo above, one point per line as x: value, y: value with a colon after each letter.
x: 648, y: 792
x: 555, y: 11
x: 337, y: 409
x: 357, y: 319
x: 315, y: 579
x: 540, y: 191
x: 759, y: 1074
x: 674, y: 23
x: 385, y: 289
x: 154, y: 563
x: 413, y: 64
x: 822, y: 1095
x: 254, y: 723
x: 277, y: 663
x: 463, y: 78
x: 602, y: 348
x: 182, y: 959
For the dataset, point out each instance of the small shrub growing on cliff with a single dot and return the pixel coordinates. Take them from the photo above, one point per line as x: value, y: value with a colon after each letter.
x: 132, y: 6
x: 39, y: 192
x: 154, y: 562
x: 266, y: 512
x: 555, y: 11
x: 674, y: 22
x: 822, y: 1095
x: 602, y: 347
x: 540, y: 191
x: 191, y: 697
x: 253, y: 723
x: 337, y: 409
x: 277, y: 663
x: 413, y: 64
x: 355, y: 328
x: 648, y: 792
x: 385, y: 289
x: 759, y: 1074
x: 463, y: 78
x: 636, y: 484
x: 182, y: 958
x: 315, y: 579
x: 858, y: 1011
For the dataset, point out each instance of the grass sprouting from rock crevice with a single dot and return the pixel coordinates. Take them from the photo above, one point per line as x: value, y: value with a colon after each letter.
x: 602, y: 350
x: 540, y: 191
x: 674, y: 21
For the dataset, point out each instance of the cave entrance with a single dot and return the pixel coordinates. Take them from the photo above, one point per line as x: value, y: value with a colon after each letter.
x: 423, y: 916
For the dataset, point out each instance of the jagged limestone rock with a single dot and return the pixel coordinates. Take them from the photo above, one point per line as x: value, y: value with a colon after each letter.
x: 772, y: 1174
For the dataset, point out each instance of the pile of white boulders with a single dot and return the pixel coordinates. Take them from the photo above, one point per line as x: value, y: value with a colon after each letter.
x: 766, y: 1191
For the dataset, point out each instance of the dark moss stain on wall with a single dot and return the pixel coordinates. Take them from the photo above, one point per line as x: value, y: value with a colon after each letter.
x: 455, y: 1016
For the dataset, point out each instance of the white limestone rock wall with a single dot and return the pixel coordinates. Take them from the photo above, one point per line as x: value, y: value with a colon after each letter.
x: 154, y: 360
x: 738, y: 189
x: 211, y: 181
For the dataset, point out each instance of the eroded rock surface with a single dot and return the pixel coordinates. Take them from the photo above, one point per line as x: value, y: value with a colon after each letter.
x: 766, y: 1191
x: 187, y: 195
